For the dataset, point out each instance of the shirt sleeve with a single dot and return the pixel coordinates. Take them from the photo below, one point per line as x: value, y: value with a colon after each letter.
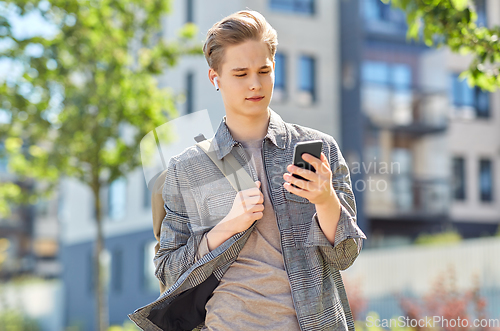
x: 348, y: 237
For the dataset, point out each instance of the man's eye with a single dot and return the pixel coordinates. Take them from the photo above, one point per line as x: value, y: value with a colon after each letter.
x: 264, y: 72
x: 240, y: 75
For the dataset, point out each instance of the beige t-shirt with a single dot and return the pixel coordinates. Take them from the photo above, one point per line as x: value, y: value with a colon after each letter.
x: 254, y: 293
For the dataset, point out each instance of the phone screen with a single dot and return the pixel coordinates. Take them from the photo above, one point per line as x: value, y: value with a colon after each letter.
x: 312, y: 147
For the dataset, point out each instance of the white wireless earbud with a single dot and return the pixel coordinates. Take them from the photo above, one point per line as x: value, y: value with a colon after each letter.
x: 215, y: 82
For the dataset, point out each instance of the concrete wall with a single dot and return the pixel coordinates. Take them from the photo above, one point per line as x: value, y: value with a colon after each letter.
x: 76, y: 214
x: 76, y: 276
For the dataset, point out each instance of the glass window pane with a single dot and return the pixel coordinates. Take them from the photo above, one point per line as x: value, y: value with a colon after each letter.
x: 485, y: 180
x: 393, y: 15
x: 117, y: 199
x: 189, y: 11
x: 375, y: 72
x: 481, y: 13
x: 146, y: 196
x: 458, y: 184
x: 401, y: 76
x: 279, y: 71
x: 482, y: 103
x: 456, y: 90
x: 306, y: 74
x: 189, y: 92
x: 371, y: 10
x: 298, y: 6
x: 468, y: 98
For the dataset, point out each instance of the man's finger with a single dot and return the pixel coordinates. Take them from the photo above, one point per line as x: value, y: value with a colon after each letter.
x: 325, y: 160
x: 314, y: 161
x: 307, y: 174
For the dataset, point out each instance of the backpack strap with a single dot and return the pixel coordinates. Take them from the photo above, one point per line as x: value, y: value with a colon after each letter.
x: 228, y: 165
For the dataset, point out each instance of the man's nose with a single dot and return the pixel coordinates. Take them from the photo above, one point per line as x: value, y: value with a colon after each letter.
x: 255, y: 83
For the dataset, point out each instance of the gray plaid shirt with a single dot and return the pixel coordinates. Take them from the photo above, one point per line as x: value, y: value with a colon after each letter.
x: 197, y: 196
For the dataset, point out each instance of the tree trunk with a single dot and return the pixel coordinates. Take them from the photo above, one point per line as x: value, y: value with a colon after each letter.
x: 102, y: 319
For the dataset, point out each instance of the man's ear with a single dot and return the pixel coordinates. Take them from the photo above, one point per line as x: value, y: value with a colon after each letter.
x: 211, y: 75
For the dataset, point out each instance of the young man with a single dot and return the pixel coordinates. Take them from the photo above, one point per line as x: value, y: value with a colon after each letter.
x: 264, y: 258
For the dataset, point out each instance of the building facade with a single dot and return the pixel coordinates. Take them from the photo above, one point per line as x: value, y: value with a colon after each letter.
x: 430, y: 142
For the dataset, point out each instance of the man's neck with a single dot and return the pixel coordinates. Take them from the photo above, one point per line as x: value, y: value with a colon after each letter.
x: 245, y: 128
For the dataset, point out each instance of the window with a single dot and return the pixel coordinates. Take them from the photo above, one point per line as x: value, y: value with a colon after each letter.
x: 458, y: 184
x: 146, y: 196
x: 401, y: 76
x: 189, y: 93
x: 117, y: 271
x: 481, y: 13
x: 296, y: 6
x: 376, y: 10
x: 117, y: 199
x: 464, y: 96
x: 279, y: 77
x: 189, y: 11
x: 150, y: 281
x: 307, y: 80
x: 485, y: 180
x: 386, y: 92
x: 397, y: 76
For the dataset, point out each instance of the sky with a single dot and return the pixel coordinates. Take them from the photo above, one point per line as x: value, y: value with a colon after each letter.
x: 30, y: 25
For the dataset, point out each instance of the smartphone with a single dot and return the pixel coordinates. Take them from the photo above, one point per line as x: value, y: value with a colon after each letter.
x: 313, y: 147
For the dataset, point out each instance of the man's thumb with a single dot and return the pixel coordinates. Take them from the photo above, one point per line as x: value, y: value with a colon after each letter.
x: 258, y: 183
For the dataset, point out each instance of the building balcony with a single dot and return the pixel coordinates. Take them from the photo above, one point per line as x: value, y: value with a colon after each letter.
x: 406, y: 196
x: 405, y: 111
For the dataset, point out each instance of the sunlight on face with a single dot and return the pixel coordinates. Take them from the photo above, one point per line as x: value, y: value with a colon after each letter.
x: 247, y: 71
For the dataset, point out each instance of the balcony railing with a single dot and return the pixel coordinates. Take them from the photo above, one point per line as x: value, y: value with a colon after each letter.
x: 406, y: 110
x: 406, y: 195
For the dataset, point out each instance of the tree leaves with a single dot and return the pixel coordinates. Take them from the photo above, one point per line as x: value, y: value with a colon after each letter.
x: 459, y: 4
x: 95, y: 74
x: 453, y: 23
x: 70, y: 101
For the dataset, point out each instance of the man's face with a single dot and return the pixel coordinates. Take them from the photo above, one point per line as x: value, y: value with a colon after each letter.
x: 247, y: 71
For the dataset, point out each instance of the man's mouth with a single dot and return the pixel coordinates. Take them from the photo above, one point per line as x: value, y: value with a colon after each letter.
x: 257, y: 98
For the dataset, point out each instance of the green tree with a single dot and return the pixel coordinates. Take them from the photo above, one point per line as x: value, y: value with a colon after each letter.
x: 453, y: 23
x: 79, y: 89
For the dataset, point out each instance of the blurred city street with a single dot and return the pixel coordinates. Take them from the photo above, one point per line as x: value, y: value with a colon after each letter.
x: 86, y: 85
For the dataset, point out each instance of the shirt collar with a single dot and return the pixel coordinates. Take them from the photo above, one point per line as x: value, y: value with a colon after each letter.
x: 276, y: 133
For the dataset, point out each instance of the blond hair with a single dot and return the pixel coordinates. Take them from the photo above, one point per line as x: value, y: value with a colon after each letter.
x: 236, y: 29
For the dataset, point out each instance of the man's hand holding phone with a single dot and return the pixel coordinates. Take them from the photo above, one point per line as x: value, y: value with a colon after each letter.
x: 316, y: 185
x: 248, y: 206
